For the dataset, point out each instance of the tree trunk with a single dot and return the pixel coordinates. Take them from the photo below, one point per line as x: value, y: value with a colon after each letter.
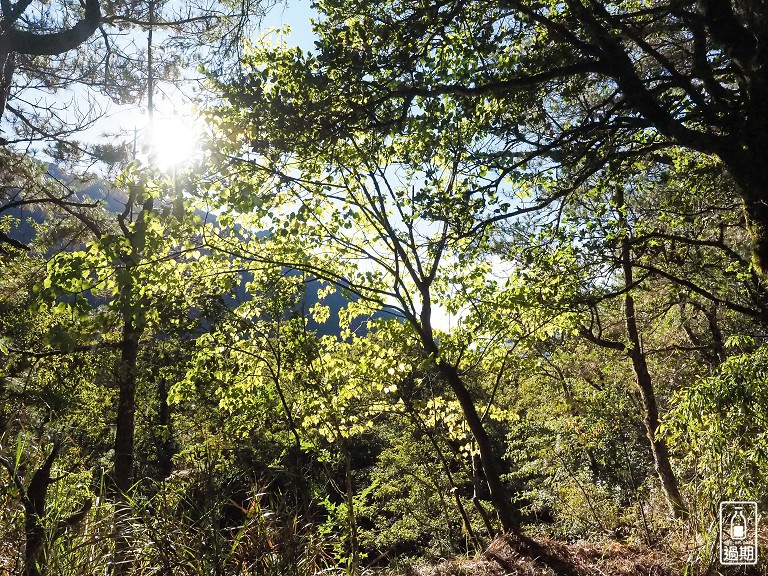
x: 419, y: 423
x: 643, y: 377
x: 126, y: 406
x: 34, y: 511
x: 746, y: 153
x: 658, y: 446
x: 351, y: 514
x: 133, y: 327
x: 7, y: 68
x: 509, y: 517
x: 124, y: 440
x: 752, y: 180
x: 165, y: 446
x: 51, y: 44
x: 502, y: 503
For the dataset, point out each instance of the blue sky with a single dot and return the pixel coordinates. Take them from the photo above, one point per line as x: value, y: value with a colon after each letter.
x: 297, y: 14
x: 170, y: 103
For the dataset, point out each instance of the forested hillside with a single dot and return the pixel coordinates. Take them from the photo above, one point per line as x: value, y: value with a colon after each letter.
x: 463, y: 287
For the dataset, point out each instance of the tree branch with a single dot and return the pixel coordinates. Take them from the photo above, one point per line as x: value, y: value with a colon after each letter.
x: 503, y: 86
x: 17, y: 10
x: 750, y: 312
x: 32, y: 44
x: 5, y: 463
x: 612, y: 344
x: 5, y: 239
x: 75, y: 350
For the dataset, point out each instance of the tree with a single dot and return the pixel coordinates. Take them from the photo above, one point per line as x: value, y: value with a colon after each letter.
x: 577, y: 86
x: 48, y: 49
x: 61, y: 66
x: 647, y: 248
x: 389, y: 224
x: 636, y: 353
x: 34, y: 500
x: 26, y: 187
x: 17, y: 37
x: 719, y: 420
x: 132, y: 280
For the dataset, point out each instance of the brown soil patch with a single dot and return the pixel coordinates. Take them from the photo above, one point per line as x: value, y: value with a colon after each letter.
x: 510, y: 556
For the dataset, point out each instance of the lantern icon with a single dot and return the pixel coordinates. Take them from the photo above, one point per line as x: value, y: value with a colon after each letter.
x: 738, y: 524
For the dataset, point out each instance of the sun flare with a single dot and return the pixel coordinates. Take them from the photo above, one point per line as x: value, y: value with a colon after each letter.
x: 173, y: 142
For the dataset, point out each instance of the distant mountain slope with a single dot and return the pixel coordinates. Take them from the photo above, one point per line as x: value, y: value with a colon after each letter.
x: 27, y: 217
